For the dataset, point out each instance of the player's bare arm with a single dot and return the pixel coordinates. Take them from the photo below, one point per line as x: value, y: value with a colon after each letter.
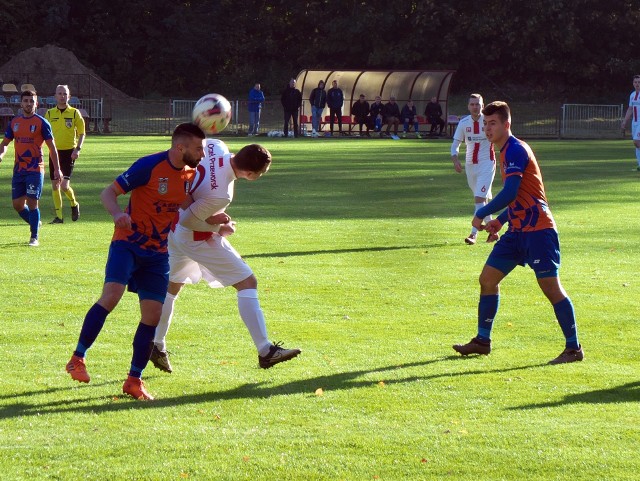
x: 109, y: 198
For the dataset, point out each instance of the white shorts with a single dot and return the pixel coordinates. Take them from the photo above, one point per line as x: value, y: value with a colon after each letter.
x: 213, y: 260
x: 480, y: 177
x: 635, y: 131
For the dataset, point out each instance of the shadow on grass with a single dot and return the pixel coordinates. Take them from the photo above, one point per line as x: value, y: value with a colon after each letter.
x: 259, y: 390
x: 343, y: 251
x: 627, y: 393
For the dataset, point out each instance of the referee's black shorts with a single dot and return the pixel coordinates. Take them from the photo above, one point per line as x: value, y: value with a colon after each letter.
x: 66, y: 164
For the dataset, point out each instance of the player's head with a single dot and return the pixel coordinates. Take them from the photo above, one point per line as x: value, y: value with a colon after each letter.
x: 251, y: 162
x: 636, y: 82
x: 321, y: 84
x: 28, y: 102
x: 62, y: 95
x: 188, y: 141
x: 497, y: 122
x: 475, y: 104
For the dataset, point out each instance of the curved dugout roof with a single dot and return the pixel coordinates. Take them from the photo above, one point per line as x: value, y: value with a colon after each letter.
x: 417, y: 85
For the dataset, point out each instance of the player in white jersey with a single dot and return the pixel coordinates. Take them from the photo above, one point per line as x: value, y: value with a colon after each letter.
x: 633, y: 113
x: 480, y: 163
x: 198, y: 248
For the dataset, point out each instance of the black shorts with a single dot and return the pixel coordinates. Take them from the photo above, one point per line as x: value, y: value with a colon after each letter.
x: 66, y: 164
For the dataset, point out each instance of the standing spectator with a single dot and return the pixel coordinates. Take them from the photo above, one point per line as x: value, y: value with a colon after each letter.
x: 138, y: 257
x: 68, y: 130
x: 291, y: 100
x: 392, y: 116
x: 433, y: 112
x: 633, y: 113
x: 376, y: 114
x: 256, y: 99
x: 318, y: 101
x: 335, y: 100
x: 360, y: 112
x: 409, y: 116
x: 532, y: 238
x: 480, y: 164
x: 29, y: 131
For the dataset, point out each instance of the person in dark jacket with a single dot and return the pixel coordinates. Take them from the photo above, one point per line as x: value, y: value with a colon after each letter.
x: 433, y: 112
x: 291, y: 100
x: 335, y: 100
x: 318, y: 100
x: 409, y: 117
x: 376, y: 114
x: 360, y: 112
x: 391, y: 115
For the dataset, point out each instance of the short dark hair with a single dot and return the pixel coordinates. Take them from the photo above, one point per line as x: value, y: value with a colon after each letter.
x: 477, y: 96
x: 500, y: 108
x: 636, y: 76
x: 252, y: 157
x: 186, y: 130
x: 28, y: 93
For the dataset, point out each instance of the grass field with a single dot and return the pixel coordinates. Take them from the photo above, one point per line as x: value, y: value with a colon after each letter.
x: 357, y: 245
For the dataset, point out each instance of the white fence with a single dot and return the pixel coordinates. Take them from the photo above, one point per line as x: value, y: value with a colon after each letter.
x: 591, y: 121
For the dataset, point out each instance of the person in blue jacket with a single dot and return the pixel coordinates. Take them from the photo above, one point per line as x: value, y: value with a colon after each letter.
x: 335, y: 100
x: 256, y: 99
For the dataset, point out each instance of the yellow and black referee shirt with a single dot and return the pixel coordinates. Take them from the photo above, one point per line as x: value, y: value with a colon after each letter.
x: 66, y: 125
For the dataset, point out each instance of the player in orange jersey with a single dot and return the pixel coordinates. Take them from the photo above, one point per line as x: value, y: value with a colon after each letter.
x: 138, y: 256
x: 532, y: 238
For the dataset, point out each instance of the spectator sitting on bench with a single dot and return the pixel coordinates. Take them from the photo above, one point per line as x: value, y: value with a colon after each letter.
x: 433, y: 112
x: 392, y: 115
x: 409, y: 116
x: 360, y: 112
x: 376, y: 114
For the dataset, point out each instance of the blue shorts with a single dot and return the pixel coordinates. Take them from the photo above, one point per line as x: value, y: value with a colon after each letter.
x: 142, y: 271
x: 539, y: 249
x: 27, y: 184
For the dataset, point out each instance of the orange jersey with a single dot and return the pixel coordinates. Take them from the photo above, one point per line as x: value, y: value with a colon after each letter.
x: 529, y: 211
x: 28, y: 134
x: 157, y: 190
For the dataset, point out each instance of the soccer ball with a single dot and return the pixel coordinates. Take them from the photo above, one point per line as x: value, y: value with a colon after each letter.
x: 212, y: 113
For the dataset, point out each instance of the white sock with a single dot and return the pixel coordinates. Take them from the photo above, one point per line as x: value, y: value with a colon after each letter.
x: 253, y: 318
x: 165, y: 321
x: 638, y: 156
x: 479, y: 205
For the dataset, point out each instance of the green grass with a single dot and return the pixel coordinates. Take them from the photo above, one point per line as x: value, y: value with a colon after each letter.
x: 357, y: 245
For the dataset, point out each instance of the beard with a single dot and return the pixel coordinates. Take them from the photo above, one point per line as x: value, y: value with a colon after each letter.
x: 190, y: 160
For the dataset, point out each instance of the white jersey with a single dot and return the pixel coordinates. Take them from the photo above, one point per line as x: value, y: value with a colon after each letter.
x: 479, y: 149
x: 634, y: 103
x: 212, y: 187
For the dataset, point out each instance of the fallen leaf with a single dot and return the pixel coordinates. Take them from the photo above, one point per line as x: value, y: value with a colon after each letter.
x: 245, y: 458
x: 381, y: 384
x: 319, y: 392
x: 423, y: 460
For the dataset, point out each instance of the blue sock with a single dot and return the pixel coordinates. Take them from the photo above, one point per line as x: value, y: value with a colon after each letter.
x: 24, y: 213
x: 93, y: 322
x: 487, y: 310
x: 142, y: 345
x: 567, y: 320
x: 378, y: 124
x: 416, y: 127
x: 34, y: 222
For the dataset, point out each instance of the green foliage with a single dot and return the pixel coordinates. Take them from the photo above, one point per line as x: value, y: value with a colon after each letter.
x: 357, y: 245
x: 575, y: 50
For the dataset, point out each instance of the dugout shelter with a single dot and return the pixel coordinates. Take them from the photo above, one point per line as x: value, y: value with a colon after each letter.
x: 417, y: 85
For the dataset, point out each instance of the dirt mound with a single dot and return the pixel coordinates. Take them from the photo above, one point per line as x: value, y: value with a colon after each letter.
x: 45, y: 67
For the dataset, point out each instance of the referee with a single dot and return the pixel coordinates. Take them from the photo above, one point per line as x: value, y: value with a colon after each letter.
x: 67, y: 125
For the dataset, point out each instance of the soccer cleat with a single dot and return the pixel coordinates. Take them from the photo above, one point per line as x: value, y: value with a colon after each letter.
x: 33, y: 242
x: 78, y: 369
x: 160, y: 359
x: 75, y: 212
x: 134, y: 387
x: 474, y: 346
x: 418, y: 136
x: 57, y: 220
x: 492, y: 238
x: 277, y: 354
x: 569, y: 355
x: 471, y: 240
